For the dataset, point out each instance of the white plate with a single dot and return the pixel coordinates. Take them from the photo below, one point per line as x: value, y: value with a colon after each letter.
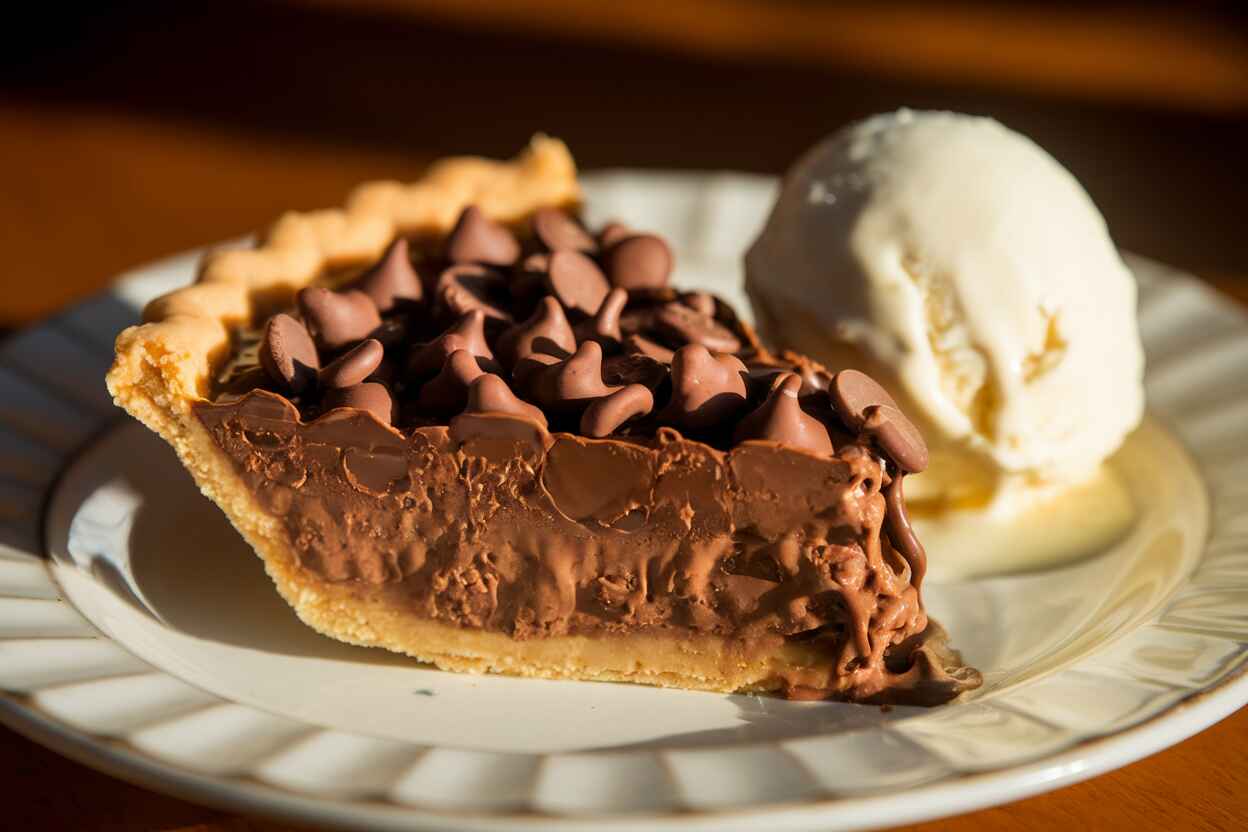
x: 140, y: 635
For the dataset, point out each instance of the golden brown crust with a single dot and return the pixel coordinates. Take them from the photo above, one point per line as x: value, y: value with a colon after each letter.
x: 185, y: 336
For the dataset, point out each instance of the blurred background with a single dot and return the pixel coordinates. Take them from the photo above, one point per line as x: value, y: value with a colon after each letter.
x: 132, y: 130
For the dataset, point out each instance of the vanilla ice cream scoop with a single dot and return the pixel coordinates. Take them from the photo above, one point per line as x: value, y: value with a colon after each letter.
x: 964, y: 259
x: 962, y: 266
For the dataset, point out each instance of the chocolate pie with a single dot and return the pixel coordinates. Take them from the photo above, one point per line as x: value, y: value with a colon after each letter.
x: 457, y: 423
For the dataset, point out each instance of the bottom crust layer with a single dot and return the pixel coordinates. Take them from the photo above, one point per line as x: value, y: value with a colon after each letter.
x: 677, y: 660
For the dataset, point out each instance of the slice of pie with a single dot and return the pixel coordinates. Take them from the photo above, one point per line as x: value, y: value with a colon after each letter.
x: 457, y: 424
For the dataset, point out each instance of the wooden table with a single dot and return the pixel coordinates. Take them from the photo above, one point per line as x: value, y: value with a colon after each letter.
x: 114, y: 151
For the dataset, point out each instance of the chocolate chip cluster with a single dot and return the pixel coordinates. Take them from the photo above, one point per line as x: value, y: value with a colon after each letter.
x: 565, y: 329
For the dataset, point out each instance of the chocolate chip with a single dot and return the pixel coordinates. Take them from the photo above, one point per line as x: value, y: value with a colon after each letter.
x: 605, y: 415
x: 394, y: 330
x: 864, y: 405
x: 463, y: 288
x: 528, y: 280
x: 604, y: 327
x: 537, y: 263
x: 354, y: 366
x: 641, y: 261
x: 897, y: 436
x: 762, y: 376
x: 447, y: 392
x: 576, y: 281
x: 781, y: 419
x: 642, y: 345
x: 652, y: 298
x: 612, y: 233
x: 570, y: 385
x: 814, y: 378
x: 853, y: 392
x: 546, y: 331
x: 337, y: 319
x: 385, y: 373
x: 490, y: 394
x: 558, y: 232
x: 634, y: 368
x: 901, y: 534
x: 707, y: 389
x: 681, y: 324
x: 638, y: 320
x: 288, y: 354
x: 369, y: 396
x: 468, y: 333
x: 700, y: 302
x: 526, y: 370
x: 392, y: 280
x: 478, y: 239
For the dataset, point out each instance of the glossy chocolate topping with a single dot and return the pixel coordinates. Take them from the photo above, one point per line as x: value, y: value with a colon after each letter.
x: 781, y: 419
x: 393, y: 280
x: 642, y: 345
x: 490, y: 394
x: 605, y: 415
x: 589, y: 480
x: 869, y: 408
x: 557, y: 231
x: 643, y: 261
x: 576, y: 281
x: 546, y: 331
x: 682, y: 324
x: 338, y: 319
x: 478, y: 239
x: 288, y: 354
x: 469, y: 287
x: 572, y: 384
x: 604, y: 327
x: 447, y: 392
x: 708, y: 389
x: 612, y: 233
x: 353, y: 366
x: 468, y: 333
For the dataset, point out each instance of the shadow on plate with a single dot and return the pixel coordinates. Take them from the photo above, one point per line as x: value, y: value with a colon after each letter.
x: 772, y: 719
